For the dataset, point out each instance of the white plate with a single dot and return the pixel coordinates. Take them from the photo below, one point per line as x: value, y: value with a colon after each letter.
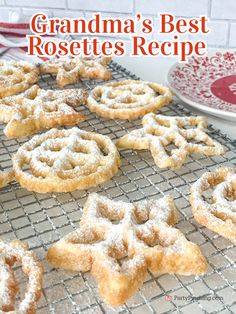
x: 207, y: 83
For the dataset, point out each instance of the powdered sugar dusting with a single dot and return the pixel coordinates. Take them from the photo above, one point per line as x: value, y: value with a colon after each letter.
x: 38, y: 109
x: 69, y: 69
x: 9, y: 253
x: 218, y: 212
x: 160, y: 131
x: 16, y: 76
x: 66, y: 159
x: 222, y: 181
x: 127, y: 230
x: 125, y: 95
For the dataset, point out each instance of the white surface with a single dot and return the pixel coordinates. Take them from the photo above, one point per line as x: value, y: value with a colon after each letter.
x: 221, y: 14
x: 178, y: 7
x: 223, y: 11
x: 232, y: 38
x: 155, y: 69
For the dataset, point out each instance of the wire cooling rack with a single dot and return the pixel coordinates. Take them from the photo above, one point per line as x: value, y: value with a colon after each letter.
x: 42, y: 219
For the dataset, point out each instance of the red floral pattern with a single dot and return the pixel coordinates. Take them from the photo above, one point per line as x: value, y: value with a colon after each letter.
x: 195, y: 78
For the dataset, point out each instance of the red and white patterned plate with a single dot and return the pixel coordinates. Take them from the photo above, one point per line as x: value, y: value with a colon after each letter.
x: 207, y: 83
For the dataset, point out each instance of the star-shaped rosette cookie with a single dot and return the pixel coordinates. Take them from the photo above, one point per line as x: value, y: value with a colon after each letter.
x: 119, y: 242
x: 171, y: 139
x: 70, y: 69
x: 37, y: 109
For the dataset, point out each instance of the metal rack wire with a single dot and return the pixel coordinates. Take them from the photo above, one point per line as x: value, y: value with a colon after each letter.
x: 41, y: 219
